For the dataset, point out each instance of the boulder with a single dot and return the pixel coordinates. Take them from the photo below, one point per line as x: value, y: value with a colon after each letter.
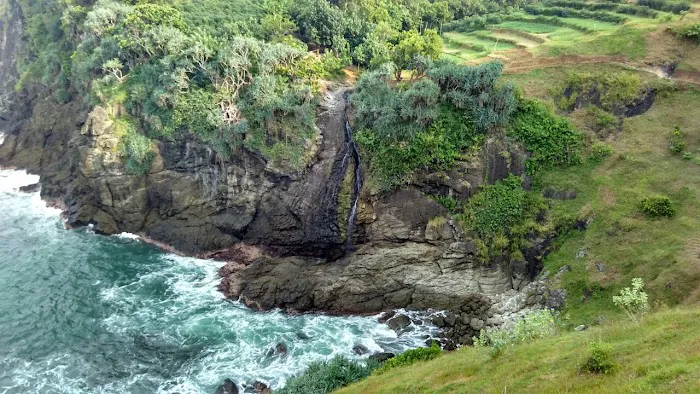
x: 360, y: 350
x: 33, y: 188
x: 399, y: 323
x: 228, y: 387
x: 381, y: 357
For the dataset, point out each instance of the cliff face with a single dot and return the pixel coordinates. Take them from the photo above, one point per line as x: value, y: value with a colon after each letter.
x: 200, y: 203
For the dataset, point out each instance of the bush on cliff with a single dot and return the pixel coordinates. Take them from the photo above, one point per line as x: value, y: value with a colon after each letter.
x: 410, y: 357
x: 429, y: 124
x: 324, y: 377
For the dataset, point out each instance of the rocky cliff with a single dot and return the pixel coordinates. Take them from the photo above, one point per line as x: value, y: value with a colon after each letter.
x: 279, y: 229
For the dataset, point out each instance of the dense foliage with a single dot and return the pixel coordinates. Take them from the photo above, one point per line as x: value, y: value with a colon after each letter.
x: 324, y: 377
x: 688, y: 31
x: 574, y: 13
x: 675, y: 7
x: 410, y: 357
x: 608, y: 91
x: 551, y: 139
x: 430, y: 123
x: 497, y: 207
x: 657, y: 206
x: 232, y: 72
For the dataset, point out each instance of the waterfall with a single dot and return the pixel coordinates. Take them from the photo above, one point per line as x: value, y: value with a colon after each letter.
x: 357, y: 185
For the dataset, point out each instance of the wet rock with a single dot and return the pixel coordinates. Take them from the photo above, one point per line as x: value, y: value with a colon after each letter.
x: 399, y: 323
x: 360, y: 350
x: 259, y: 387
x: 450, y: 319
x: 386, y: 316
x: 432, y: 342
x: 33, y: 188
x: 381, y: 357
x: 439, y: 321
x: 279, y: 350
x: 228, y: 387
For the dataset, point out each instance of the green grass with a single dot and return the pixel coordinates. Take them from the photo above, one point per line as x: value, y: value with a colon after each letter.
x: 628, y: 243
x: 592, y: 24
x: 534, y: 28
x: 660, y: 355
x: 626, y: 40
x: 472, y: 41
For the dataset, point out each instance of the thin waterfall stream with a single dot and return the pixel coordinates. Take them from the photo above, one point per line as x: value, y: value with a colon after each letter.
x: 357, y: 184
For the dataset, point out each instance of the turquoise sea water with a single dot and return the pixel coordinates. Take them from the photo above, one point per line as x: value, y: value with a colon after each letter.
x: 83, y: 313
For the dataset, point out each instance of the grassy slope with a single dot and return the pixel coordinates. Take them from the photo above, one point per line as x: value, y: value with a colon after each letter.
x: 660, y: 355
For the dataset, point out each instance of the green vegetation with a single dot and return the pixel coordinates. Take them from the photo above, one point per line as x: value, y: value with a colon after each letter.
x: 633, y: 300
x: 552, y: 140
x: 659, y: 355
x: 689, y: 31
x: 656, y: 206
x: 234, y: 73
x: 600, y: 360
x: 410, y: 357
x: 611, y: 92
x: 324, y: 377
x: 538, y: 324
x: 428, y: 124
x: 675, y: 7
x: 497, y: 208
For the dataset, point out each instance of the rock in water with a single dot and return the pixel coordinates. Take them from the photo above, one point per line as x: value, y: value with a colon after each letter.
x: 360, y: 350
x: 399, y: 323
x: 381, y: 357
x: 33, y: 188
x: 227, y: 388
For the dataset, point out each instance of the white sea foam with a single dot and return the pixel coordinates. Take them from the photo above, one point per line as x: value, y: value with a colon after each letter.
x: 240, y: 339
x: 128, y: 236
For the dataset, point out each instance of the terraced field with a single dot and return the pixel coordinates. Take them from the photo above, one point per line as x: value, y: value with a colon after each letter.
x: 587, y: 30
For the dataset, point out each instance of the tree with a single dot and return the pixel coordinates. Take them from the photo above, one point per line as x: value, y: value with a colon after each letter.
x: 411, y: 44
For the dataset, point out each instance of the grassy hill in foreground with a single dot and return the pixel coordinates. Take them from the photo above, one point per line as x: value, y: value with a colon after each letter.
x: 659, y: 355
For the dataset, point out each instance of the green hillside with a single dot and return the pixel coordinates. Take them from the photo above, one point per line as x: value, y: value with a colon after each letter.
x: 660, y: 355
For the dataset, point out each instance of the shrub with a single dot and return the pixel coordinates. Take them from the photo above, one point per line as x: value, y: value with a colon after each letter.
x: 600, y: 360
x: 657, y: 206
x: 324, y: 377
x: 448, y: 202
x: 496, y: 207
x: 551, y: 139
x: 135, y: 149
x: 677, y: 144
x: 410, y: 357
x: 688, y: 31
x: 675, y: 7
x: 600, y: 150
x: 573, y: 13
x: 633, y: 300
x: 538, y: 324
